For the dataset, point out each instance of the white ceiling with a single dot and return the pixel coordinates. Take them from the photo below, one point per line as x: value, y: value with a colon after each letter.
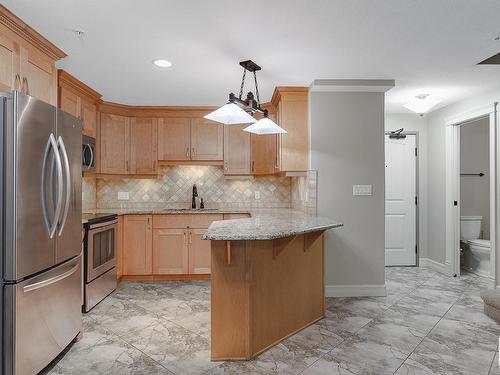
x: 427, y: 46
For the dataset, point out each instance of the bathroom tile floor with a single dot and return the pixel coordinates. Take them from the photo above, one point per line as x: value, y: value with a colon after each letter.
x: 428, y: 324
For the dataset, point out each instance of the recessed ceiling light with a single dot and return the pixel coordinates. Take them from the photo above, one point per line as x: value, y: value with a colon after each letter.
x: 162, y: 63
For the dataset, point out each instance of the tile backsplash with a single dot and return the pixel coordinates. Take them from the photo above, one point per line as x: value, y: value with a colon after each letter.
x: 174, y: 189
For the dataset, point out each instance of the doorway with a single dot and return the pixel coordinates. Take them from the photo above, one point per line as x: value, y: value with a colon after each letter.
x: 454, y: 205
x: 401, y: 198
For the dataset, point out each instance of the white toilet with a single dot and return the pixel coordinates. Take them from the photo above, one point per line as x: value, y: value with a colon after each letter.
x: 478, y: 261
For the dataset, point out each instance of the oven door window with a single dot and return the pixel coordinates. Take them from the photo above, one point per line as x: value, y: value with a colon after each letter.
x: 101, y: 251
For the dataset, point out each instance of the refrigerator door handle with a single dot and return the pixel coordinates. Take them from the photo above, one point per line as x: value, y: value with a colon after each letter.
x: 51, y: 227
x: 67, y: 172
x: 51, y: 280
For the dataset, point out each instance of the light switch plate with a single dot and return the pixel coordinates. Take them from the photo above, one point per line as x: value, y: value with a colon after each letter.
x: 257, y: 195
x: 123, y: 196
x: 361, y: 190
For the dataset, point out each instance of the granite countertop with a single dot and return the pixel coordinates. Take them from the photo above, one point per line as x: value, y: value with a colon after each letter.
x: 268, y: 225
x: 159, y: 211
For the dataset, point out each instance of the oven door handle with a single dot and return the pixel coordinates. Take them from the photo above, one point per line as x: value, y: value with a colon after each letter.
x: 101, y: 225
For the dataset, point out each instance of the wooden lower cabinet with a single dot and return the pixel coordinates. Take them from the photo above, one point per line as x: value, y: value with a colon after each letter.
x: 199, y: 252
x: 137, y: 245
x: 170, y: 251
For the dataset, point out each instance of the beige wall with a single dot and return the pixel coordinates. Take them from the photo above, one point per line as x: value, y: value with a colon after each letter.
x: 347, y: 148
x: 475, y: 158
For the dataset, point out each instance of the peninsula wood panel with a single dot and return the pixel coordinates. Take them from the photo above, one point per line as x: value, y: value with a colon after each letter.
x: 174, y: 139
x: 236, y: 150
x: 263, y: 280
x: 207, y: 140
x: 137, y: 245
x: 143, y: 141
x: 119, y: 247
x: 170, y: 251
x: 199, y: 252
x: 115, y: 144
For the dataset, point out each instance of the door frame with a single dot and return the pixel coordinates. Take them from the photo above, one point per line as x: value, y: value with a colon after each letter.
x: 452, y: 232
x: 417, y: 183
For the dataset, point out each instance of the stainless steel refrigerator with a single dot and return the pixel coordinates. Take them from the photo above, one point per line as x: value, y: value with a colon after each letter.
x: 41, y: 232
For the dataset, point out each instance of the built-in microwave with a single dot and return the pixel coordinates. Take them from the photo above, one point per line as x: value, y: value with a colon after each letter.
x: 88, y: 154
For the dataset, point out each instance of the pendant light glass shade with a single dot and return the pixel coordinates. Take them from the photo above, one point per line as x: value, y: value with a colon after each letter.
x: 230, y: 114
x: 265, y: 126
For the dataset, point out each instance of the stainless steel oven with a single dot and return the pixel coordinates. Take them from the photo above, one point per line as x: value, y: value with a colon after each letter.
x: 100, y: 258
x: 88, y: 153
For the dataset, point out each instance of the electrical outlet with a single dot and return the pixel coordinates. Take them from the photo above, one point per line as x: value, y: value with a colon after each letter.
x: 83, y: 195
x: 257, y: 195
x: 123, y: 196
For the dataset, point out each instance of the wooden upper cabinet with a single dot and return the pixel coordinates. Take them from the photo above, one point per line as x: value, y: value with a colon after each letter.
x: 207, y: 140
x: 143, y: 140
x: 80, y: 100
x: 174, y: 139
x: 115, y: 144
x: 137, y: 245
x: 264, y: 154
x: 292, y: 115
x: 89, y: 117
x: 9, y: 64
x: 27, y: 59
x: 69, y: 101
x: 236, y: 150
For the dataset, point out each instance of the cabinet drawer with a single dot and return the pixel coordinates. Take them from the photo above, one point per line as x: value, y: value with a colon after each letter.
x: 236, y: 216
x: 204, y: 220
x: 172, y: 221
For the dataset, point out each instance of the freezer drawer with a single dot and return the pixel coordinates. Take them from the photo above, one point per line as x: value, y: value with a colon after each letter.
x: 42, y: 316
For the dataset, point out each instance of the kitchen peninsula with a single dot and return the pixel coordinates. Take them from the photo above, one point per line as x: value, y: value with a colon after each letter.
x: 267, y: 280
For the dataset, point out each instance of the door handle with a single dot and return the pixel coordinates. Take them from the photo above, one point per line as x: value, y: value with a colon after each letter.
x: 50, y: 280
x: 51, y: 227
x: 17, y: 83
x: 187, y: 152
x: 67, y: 172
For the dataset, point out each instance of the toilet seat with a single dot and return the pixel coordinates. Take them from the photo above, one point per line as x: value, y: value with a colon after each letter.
x: 480, y: 243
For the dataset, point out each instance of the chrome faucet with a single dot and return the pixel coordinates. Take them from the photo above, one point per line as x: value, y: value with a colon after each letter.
x: 195, y: 194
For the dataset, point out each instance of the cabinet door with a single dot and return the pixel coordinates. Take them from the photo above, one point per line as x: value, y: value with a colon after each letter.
x: 143, y: 140
x: 69, y: 101
x: 38, y: 74
x: 206, y: 140
x: 174, y: 139
x: 264, y: 154
x: 89, y: 117
x: 199, y: 252
x: 236, y: 150
x: 170, y: 252
x: 9, y: 65
x: 115, y: 144
x: 137, y: 245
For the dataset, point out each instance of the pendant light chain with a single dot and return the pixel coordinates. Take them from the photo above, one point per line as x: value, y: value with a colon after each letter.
x: 256, y: 88
x: 242, y: 82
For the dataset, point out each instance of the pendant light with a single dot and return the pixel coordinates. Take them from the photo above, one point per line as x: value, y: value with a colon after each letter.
x: 240, y: 111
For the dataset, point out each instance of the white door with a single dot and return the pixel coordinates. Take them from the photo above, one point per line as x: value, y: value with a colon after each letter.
x: 400, y: 201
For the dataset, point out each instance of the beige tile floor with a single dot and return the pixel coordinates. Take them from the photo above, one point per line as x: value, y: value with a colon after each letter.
x: 428, y: 324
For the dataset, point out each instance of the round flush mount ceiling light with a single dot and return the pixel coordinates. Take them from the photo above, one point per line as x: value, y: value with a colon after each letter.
x: 162, y: 63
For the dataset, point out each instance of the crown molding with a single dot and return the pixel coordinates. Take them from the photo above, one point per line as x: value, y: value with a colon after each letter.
x: 280, y: 91
x: 18, y: 26
x: 66, y: 79
x: 155, y: 111
x: 352, y: 85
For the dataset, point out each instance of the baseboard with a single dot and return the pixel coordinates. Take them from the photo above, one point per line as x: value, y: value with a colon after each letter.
x: 436, y: 266
x: 355, y: 291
